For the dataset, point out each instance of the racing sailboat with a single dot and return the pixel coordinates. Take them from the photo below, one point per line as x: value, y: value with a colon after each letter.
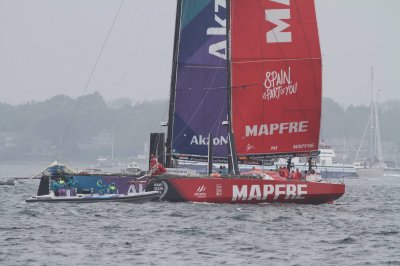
x: 246, y: 87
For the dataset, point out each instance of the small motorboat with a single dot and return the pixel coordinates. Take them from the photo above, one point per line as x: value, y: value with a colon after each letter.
x: 133, y: 168
x: 139, y: 197
x: 58, y: 183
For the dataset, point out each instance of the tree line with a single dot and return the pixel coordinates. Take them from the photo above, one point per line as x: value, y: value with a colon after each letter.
x: 61, y: 126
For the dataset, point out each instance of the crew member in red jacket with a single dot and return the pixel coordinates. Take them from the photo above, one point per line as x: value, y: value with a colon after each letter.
x: 156, y: 168
x: 297, y: 175
x: 285, y: 173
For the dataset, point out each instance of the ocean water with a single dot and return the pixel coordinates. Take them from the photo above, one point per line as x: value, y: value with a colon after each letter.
x: 362, y: 228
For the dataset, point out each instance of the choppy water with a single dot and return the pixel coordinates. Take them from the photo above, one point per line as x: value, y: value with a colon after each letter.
x: 362, y: 228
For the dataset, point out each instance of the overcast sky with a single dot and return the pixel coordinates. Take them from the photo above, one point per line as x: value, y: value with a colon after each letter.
x: 49, y: 47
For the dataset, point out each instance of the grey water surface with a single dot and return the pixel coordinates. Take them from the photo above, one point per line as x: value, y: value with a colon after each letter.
x: 362, y: 228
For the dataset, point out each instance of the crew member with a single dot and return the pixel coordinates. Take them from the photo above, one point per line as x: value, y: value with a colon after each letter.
x: 293, y: 175
x: 61, y: 190
x: 100, y: 186
x: 299, y: 175
x: 285, y: 172
x: 153, y: 161
x: 223, y: 171
x: 55, y: 186
x: 156, y: 168
x: 112, y: 188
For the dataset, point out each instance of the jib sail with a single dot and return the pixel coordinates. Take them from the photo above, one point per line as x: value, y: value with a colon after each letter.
x: 200, y: 75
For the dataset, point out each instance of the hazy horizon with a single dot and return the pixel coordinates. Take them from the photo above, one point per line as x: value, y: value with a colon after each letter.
x: 133, y: 102
x: 49, y: 48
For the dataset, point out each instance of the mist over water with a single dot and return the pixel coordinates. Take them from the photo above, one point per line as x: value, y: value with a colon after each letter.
x: 362, y: 228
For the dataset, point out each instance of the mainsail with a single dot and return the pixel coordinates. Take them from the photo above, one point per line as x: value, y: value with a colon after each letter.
x: 199, y: 80
x: 276, y: 77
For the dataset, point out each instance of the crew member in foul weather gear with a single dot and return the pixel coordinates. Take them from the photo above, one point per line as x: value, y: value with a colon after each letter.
x: 55, y: 186
x: 285, y: 172
x: 71, y: 183
x: 72, y: 186
x: 280, y: 171
x: 224, y: 171
x: 62, y: 187
x: 100, y: 186
x: 293, y: 175
x: 153, y: 161
x: 113, y: 188
x: 156, y: 168
x: 298, y: 174
x: 62, y: 183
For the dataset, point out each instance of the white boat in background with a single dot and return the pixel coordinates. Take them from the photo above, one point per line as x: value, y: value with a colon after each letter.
x: 133, y: 168
x: 372, y: 165
x: 325, y: 163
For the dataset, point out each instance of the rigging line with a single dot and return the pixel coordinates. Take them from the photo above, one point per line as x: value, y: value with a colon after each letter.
x: 92, y: 73
x: 23, y: 183
x: 362, y: 140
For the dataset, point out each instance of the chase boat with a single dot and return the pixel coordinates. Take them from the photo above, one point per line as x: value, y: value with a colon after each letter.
x: 138, y: 197
x: 59, y: 183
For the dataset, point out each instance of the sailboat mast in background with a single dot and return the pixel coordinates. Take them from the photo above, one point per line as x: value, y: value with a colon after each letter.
x: 372, y: 166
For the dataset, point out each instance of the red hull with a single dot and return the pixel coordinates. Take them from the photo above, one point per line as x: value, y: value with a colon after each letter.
x: 247, y: 191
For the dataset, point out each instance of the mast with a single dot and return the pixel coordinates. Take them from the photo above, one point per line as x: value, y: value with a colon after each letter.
x: 173, y: 85
x: 232, y: 147
x: 376, y: 145
x: 378, y: 129
x: 371, y: 158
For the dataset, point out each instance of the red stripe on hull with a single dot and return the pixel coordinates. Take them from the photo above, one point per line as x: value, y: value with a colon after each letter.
x: 253, y: 191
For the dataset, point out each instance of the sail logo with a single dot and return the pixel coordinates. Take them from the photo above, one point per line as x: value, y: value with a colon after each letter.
x: 162, y: 188
x: 281, y: 128
x: 132, y: 189
x: 250, y: 147
x: 201, y: 189
x: 278, y: 84
x: 271, y: 192
x: 200, y: 140
x: 303, y: 146
x: 218, y: 49
x: 201, y: 192
x: 218, y: 190
x: 276, y: 17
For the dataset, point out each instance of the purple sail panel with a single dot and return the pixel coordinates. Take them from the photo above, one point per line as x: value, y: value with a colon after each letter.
x: 201, y: 87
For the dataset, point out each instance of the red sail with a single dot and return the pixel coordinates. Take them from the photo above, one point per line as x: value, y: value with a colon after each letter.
x: 276, y: 76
